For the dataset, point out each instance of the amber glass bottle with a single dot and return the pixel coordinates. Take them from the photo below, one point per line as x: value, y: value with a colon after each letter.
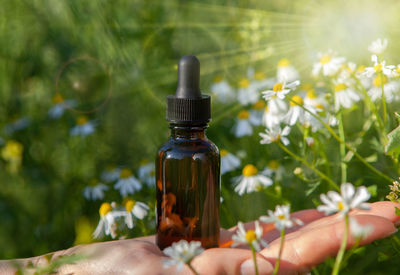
x: 188, y: 167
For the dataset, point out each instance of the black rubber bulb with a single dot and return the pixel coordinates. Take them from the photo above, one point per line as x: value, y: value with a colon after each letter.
x: 188, y: 78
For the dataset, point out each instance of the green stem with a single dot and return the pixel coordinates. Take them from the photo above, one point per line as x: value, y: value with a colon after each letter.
x: 343, y: 246
x: 192, y: 269
x: 343, y: 165
x: 383, y: 98
x: 318, y: 172
x: 348, y: 147
x: 278, y: 261
x: 253, y: 252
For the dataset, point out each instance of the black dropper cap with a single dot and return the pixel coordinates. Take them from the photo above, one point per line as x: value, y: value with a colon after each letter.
x: 188, y: 105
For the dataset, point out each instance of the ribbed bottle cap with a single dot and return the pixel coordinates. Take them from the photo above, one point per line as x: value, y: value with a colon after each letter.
x: 188, y: 105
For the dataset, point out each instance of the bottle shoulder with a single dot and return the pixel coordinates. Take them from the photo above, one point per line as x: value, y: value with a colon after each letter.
x: 188, y: 147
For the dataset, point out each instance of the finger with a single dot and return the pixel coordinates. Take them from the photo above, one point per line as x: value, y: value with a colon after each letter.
x: 386, y: 209
x: 230, y: 261
x: 312, y: 247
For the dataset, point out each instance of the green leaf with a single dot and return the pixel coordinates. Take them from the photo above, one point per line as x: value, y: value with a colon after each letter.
x: 393, y: 145
x: 397, y: 211
x: 372, y: 190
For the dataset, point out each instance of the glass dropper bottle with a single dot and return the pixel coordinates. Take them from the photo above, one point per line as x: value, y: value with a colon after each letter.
x: 188, y: 166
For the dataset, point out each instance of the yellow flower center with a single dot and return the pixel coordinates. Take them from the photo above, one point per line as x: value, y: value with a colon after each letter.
x: 378, y: 68
x: 340, y: 87
x: 12, y: 151
x: 244, y: 83
x: 311, y: 94
x: 260, y: 75
x: 379, y: 80
x: 398, y: 70
x: 296, y: 100
x: 281, y: 217
x: 266, y: 109
x: 250, y: 170
x: 340, y: 206
x: 223, y: 152
x: 105, y: 208
x: 129, y: 205
x: 319, y: 106
x: 278, y: 87
x: 284, y: 62
x: 218, y: 78
x: 243, y: 114
x: 325, y: 59
x: 57, y: 98
x: 81, y: 120
x: 259, y: 105
x: 273, y: 164
x: 251, y: 236
x: 125, y: 173
x: 361, y: 69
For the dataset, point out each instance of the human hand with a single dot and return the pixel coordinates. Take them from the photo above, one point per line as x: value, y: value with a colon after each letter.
x: 305, y: 247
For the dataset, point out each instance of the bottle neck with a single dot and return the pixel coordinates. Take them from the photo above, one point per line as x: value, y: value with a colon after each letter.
x: 179, y: 131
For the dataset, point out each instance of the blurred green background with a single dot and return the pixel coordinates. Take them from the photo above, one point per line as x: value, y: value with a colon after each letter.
x: 117, y: 61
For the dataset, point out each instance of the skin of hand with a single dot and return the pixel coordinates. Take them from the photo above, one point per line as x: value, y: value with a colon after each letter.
x: 305, y: 246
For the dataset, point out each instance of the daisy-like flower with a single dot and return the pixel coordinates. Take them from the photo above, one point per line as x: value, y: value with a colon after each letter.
x: 84, y: 127
x: 181, y: 253
x: 274, y: 168
x: 259, y: 78
x: 275, y: 135
x: 257, y: 112
x: 223, y: 92
x: 281, y: 218
x: 243, y: 126
x: 378, y: 46
x: 146, y: 172
x: 59, y: 106
x: 272, y: 120
x: 250, y: 180
x: 328, y: 64
x: 248, y: 92
x: 280, y: 90
x: 286, y: 71
x: 379, y: 68
x: 95, y: 190
x: 16, y: 124
x: 359, y: 231
x: 391, y: 89
x: 296, y: 112
x: 135, y: 208
x: 229, y: 162
x: 127, y: 183
x: 348, y: 199
x: 251, y: 237
x: 345, y: 96
x: 107, y: 225
x: 111, y: 173
x: 315, y: 101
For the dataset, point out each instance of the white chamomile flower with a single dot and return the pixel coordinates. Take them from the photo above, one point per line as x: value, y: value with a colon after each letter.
x: 83, y: 127
x: 146, y: 172
x: 315, y: 101
x: 95, y: 190
x: 259, y: 78
x: 135, y: 208
x: 250, y: 180
x: 243, y: 126
x: 379, y: 68
x: 16, y: 124
x: 272, y: 120
x: 59, y: 106
x: 257, y: 112
x: 229, y: 162
x: 281, y: 218
x: 107, y: 225
x: 127, y: 183
x: 274, y: 168
x: 328, y: 64
x: 286, y: 71
x: 296, y: 112
x: 280, y: 90
x: 348, y: 199
x: 359, y: 231
x: 223, y: 92
x: 181, y: 253
x: 391, y: 89
x: 248, y: 92
x: 111, y: 173
x: 378, y: 46
x: 275, y: 135
x: 250, y: 237
x: 345, y: 96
